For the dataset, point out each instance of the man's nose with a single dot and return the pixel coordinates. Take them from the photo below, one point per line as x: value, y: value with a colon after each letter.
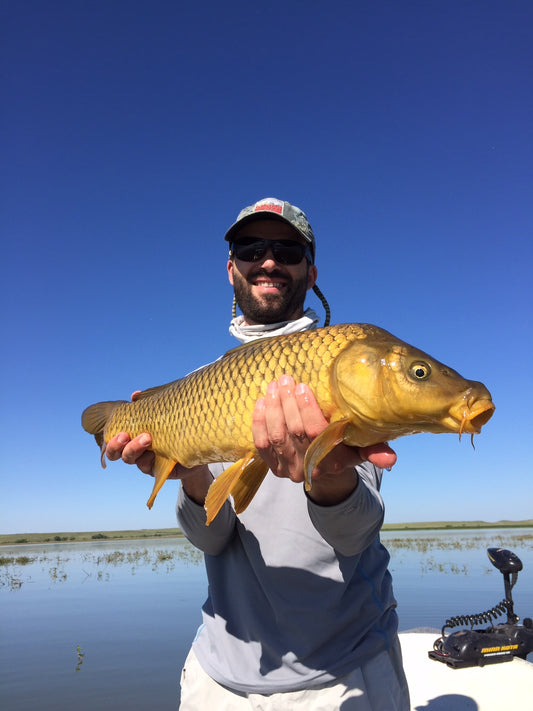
x: 268, y: 258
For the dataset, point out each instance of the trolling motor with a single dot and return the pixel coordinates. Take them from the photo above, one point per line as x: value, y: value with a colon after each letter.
x: 497, y: 643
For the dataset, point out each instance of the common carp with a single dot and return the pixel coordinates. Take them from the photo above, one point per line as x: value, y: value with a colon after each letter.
x: 371, y: 387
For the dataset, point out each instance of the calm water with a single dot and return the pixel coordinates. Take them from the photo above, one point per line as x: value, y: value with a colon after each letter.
x: 107, y: 625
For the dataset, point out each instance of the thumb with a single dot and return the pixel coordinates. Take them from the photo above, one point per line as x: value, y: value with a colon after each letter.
x: 379, y: 454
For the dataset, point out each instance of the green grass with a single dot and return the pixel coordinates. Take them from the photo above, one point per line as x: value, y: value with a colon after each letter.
x: 455, y: 525
x: 78, y: 537
x: 14, y: 538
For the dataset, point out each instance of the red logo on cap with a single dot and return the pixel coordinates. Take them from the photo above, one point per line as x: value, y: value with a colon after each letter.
x: 270, y: 207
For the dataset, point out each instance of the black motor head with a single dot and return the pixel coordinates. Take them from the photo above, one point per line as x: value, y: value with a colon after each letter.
x: 506, y: 561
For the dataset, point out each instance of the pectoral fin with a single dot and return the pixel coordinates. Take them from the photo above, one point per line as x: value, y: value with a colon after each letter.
x: 250, y: 470
x: 162, y: 468
x: 322, y: 446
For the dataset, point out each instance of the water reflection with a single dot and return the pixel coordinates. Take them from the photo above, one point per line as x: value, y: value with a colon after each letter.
x: 108, y: 624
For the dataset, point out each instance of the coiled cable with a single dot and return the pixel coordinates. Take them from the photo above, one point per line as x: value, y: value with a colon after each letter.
x: 505, y: 606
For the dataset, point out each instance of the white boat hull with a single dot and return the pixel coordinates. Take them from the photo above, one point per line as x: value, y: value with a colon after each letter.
x: 436, y: 687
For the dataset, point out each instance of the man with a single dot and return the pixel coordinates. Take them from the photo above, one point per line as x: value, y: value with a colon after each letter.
x: 300, y: 612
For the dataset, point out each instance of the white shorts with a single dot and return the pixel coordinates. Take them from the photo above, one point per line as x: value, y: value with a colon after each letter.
x: 378, y: 685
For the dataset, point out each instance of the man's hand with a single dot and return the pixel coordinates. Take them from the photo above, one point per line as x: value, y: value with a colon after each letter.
x: 132, y: 451
x: 285, y: 422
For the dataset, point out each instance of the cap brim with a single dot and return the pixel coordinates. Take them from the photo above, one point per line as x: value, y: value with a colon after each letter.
x: 262, y: 216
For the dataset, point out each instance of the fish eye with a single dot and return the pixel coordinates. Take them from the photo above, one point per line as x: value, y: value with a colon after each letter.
x: 420, y: 370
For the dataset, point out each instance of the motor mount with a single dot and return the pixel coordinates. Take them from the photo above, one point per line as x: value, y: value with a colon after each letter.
x: 494, y: 644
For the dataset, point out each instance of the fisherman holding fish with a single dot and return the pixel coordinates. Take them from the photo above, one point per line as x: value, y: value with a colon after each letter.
x: 300, y: 611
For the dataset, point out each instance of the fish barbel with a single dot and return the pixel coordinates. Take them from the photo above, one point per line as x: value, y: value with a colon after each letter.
x: 371, y: 387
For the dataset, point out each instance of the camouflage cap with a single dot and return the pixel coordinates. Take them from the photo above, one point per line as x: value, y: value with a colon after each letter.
x: 278, y: 209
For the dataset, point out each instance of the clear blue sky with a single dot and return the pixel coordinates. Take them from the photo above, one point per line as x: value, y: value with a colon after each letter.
x: 132, y: 134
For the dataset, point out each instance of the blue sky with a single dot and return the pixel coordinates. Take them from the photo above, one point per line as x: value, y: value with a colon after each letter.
x: 133, y: 133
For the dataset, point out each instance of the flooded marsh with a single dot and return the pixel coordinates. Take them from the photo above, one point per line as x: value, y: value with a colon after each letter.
x: 107, y: 624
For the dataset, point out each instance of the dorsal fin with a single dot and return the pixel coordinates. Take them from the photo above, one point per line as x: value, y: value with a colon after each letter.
x: 243, y: 346
x: 142, y: 394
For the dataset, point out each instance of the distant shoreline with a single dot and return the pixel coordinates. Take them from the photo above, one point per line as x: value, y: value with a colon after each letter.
x: 84, y: 536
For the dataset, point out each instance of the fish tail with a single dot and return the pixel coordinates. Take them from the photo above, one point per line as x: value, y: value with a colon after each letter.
x: 94, y: 419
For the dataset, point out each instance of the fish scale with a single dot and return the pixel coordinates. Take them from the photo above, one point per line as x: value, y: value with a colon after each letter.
x: 371, y: 387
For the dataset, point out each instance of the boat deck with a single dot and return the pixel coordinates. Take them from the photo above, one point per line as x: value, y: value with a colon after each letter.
x: 436, y: 687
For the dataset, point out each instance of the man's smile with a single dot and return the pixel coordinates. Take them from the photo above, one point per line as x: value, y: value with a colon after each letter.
x: 268, y: 282
x: 264, y: 284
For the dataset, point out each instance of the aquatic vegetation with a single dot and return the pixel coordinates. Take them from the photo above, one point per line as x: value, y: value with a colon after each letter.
x: 432, y: 549
x: 457, y: 542
x: 12, y: 579
x: 97, y: 563
x: 430, y: 565
x: 81, y: 655
x: 19, y: 560
x: 432, y: 552
x: 57, y: 575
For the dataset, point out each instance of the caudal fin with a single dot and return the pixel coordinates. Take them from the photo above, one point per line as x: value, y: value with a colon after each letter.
x: 94, y: 419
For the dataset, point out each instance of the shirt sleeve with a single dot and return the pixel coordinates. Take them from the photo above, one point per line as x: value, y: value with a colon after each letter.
x: 191, y: 517
x: 352, y: 525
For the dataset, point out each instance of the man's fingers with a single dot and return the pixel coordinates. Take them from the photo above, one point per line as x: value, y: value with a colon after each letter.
x: 289, y: 405
x: 274, y: 416
x: 381, y: 455
x: 129, y: 450
x: 259, y: 430
x: 136, y: 448
x: 280, y: 434
x: 313, y: 419
x: 116, y: 445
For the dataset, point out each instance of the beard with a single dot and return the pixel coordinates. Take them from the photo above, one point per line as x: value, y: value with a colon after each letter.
x: 270, y: 308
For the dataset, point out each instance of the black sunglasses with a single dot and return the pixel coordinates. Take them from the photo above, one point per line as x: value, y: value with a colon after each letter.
x: 284, y: 251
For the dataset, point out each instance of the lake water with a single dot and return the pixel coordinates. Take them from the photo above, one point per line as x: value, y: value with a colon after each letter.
x: 107, y: 625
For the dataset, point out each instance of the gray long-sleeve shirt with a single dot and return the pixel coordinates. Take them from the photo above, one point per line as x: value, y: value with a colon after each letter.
x: 299, y: 594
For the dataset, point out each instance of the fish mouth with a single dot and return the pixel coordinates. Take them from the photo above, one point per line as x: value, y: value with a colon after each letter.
x: 477, y: 415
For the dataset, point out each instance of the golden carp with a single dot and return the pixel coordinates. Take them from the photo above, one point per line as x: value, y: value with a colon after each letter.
x: 371, y: 387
